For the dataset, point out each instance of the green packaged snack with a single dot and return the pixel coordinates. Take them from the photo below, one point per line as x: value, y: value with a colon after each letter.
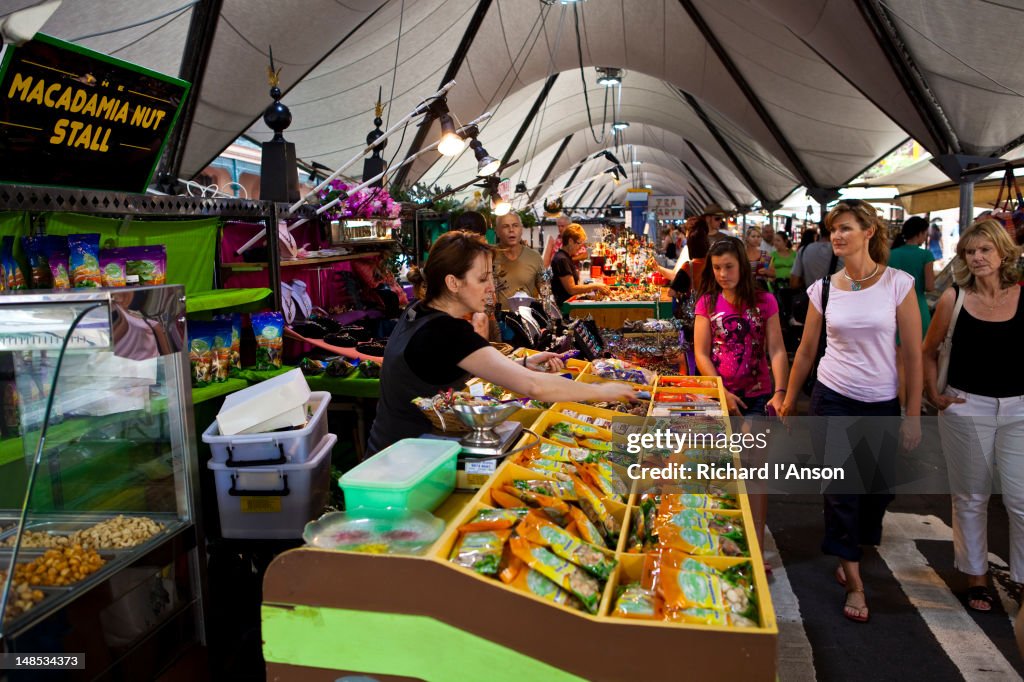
x: 39, y: 265
x: 591, y: 559
x: 635, y: 602
x: 113, y: 269
x: 235, y: 320
x: 84, y: 264
x: 534, y: 582
x: 563, y: 573
x: 494, y: 519
x: 563, y: 490
x: 480, y: 550
x: 149, y: 263
x: 268, y: 328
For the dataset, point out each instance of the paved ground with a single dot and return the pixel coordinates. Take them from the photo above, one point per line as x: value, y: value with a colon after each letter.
x: 919, y: 627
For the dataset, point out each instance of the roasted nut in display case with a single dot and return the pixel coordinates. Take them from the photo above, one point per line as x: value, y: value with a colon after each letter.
x: 118, y: 533
x: 58, y: 567
x: 33, y: 538
x: 22, y: 598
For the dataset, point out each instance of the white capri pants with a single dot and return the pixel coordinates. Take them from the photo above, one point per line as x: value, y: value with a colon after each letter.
x: 979, y: 437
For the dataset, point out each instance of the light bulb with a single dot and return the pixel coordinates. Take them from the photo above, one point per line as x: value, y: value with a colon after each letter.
x: 451, y: 144
x: 501, y: 207
x: 487, y: 166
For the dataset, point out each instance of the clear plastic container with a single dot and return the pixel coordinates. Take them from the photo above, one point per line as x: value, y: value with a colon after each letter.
x: 269, y: 449
x: 414, y: 473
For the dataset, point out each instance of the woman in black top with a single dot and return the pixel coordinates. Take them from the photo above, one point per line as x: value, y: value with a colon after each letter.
x: 433, y: 348
x: 565, y: 273
x: 981, y: 418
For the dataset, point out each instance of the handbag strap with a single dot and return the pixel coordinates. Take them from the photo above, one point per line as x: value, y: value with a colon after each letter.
x: 960, y: 295
x: 826, y: 285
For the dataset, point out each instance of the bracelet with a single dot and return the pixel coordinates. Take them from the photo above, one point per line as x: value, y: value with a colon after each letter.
x: 781, y: 390
x: 525, y: 358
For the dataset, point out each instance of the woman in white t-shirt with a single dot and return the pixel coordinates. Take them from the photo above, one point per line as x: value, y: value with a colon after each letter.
x: 866, y: 303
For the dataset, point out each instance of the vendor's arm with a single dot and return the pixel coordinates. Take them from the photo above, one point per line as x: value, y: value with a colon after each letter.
x: 574, y: 289
x: 490, y: 365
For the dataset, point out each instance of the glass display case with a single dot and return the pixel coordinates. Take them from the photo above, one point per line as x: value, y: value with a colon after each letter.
x: 100, y: 548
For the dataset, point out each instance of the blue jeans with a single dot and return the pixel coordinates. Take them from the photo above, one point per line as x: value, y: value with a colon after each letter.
x: 756, y: 405
x: 852, y: 520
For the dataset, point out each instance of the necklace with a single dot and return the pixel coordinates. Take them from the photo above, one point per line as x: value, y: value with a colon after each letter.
x: 855, y: 284
x: 996, y: 300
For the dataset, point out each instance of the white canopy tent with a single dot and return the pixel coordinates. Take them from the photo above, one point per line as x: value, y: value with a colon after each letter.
x: 771, y: 94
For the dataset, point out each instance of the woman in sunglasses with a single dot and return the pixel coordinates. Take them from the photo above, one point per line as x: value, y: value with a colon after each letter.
x: 856, y: 314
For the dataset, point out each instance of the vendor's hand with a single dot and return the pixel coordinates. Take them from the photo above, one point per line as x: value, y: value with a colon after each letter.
x: 734, y: 404
x: 616, y: 392
x: 481, y: 324
x: 941, y: 401
x: 910, y: 433
x: 603, y: 288
x: 545, y: 362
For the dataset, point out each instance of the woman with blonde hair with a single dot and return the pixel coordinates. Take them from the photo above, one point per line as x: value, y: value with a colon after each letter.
x: 981, y: 418
x: 856, y: 313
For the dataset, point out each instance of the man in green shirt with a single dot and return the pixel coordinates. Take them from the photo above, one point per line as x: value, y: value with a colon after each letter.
x: 517, y: 267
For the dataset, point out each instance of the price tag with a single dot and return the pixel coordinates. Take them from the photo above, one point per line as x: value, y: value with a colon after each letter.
x: 260, y: 504
x: 486, y: 466
x: 476, y: 389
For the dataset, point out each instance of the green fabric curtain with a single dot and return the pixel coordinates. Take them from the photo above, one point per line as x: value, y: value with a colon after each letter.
x: 191, y: 244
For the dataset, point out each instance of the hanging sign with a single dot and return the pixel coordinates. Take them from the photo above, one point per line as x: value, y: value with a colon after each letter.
x: 668, y: 207
x: 72, y: 117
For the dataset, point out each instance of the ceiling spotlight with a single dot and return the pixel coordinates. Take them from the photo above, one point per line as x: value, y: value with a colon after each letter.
x: 485, y: 163
x: 451, y: 144
x: 620, y: 125
x: 521, y: 187
x: 500, y: 206
x: 647, y: 187
x: 636, y: 162
x: 609, y: 76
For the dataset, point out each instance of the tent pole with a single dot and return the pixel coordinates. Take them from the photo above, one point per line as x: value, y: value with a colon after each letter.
x: 966, y: 204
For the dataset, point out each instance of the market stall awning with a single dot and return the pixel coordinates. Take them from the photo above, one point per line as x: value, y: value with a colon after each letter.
x: 946, y: 195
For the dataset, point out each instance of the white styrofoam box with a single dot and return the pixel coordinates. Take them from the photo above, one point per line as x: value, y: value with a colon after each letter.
x: 282, y: 447
x: 273, y: 502
x: 294, y: 417
x: 262, y: 401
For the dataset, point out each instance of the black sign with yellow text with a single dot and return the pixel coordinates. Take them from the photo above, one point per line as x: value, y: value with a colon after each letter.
x: 72, y: 117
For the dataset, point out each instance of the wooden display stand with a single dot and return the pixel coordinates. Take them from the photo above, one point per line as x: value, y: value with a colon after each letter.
x: 614, y: 314
x: 425, y: 618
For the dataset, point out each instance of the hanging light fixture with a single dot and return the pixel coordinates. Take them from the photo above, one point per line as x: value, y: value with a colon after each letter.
x: 499, y: 206
x: 485, y: 163
x: 521, y: 187
x: 609, y: 76
x: 620, y: 125
x: 451, y: 144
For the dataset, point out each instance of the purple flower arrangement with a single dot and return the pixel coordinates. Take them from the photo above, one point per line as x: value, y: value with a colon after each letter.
x: 372, y: 202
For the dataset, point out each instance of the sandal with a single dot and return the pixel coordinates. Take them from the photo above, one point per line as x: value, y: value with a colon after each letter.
x: 983, y: 594
x: 858, y: 614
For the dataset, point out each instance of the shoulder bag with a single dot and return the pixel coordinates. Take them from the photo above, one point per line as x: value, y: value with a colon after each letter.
x: 946, y: 347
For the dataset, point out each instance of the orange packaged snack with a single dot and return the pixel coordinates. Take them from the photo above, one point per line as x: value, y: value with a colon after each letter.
x: 563, y: 573
x: 557, y: 510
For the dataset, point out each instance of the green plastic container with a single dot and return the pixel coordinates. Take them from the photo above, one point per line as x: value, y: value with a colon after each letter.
x: 415, y: 473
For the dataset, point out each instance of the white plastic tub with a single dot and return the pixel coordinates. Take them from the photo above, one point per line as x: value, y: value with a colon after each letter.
x: 272, y: 449
x: 273, y: 502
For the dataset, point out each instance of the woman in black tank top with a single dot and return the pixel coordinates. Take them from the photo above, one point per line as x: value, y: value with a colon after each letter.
x: 981, y: 418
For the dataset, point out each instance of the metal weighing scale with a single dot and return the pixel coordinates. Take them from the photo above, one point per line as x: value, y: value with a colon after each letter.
x: 490, y: 440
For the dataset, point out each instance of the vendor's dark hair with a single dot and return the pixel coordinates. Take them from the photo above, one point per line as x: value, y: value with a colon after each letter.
x: 452, y: 254
x: 807, y: 237
x: 470, y: 221
x: 745, y: 290
x: 785, y: 238
x: 912, y: 227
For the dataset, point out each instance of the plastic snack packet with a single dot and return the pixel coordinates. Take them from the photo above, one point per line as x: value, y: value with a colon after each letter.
x: 598, y: 513
x: 84, y: 252
x: 586, y: 529
x: 534, y: 582
x: 636, y: 602
x: 563, y: 490
x: 563, y: 573
x: 480, y: 550
x: 494, y: 519
x: 555, y: 509
x: 269, y: 330
x: 591, y: 559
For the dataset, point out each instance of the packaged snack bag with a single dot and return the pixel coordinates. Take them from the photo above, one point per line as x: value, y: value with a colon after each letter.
x: 269, y: 331
x: 533, y: 582
x: 494, y: 519
x: 598, y: 513
x: 149, y: 263
x: 634, y: 601
x: 480, y: 550
x: 235, y: 320
x: 591, y: 559
x: 563, y: 490
x: 555, y: 509
x: 586, y: 529
x: 702, y: 542
x: 200, y: 354
x: 35, y: 249
x: 84, y: 255
x: 563, y: 573
x: 113, y: 269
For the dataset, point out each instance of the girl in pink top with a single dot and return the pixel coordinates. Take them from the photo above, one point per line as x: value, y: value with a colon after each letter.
x: 867, y: 303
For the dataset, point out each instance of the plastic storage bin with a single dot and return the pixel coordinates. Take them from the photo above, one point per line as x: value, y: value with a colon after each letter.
x: 273, y: 502
x: 271, y: 449
x: 414, y: 473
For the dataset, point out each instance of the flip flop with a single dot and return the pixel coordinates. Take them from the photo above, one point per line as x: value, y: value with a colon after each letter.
x: 863, y: 614
x: 983, y: 594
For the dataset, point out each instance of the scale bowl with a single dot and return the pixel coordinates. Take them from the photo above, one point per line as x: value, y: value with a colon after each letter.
x: 484, y: 416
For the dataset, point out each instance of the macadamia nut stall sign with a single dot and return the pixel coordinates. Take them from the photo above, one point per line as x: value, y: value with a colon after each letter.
x: 73, y: 117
